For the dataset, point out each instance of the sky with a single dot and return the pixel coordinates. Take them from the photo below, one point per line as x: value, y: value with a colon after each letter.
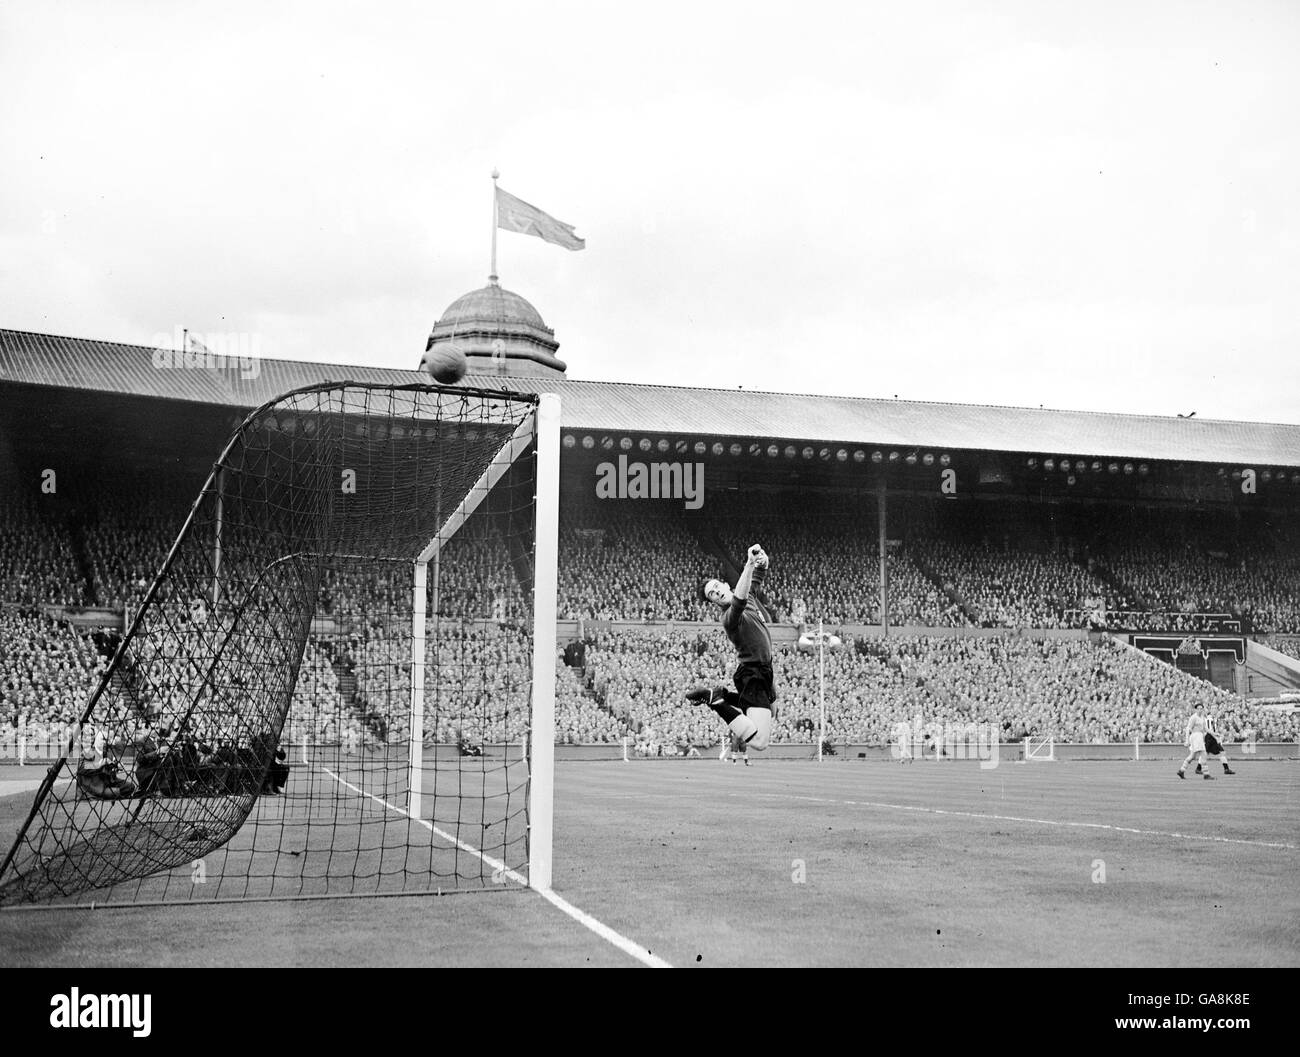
x: 1086, y: 206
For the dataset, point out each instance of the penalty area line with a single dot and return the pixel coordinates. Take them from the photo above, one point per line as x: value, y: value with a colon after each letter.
x: 1016, y: 818
x: 584, y: 919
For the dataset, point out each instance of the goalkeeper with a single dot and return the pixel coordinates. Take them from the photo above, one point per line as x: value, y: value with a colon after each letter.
x: 748, y: 709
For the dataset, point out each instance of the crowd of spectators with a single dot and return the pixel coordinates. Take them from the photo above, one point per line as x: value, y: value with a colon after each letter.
x: 994, y: 565
x: 37, y: 561
x: 1068, y: 689
x: 1006, y: 586
x: 126, y: 533
x: 1179, y: 583
x: 47, y: 670
x: 1288, y: 644
x: 616, y: 565
x: 826, y: 565
x: 991, y: 564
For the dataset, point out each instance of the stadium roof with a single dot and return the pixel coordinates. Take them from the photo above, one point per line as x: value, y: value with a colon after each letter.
x: 109, y: 367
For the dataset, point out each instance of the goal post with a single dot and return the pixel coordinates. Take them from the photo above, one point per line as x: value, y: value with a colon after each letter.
x: 419, y: 606
x: 545, y: 589
x: 301, y: 706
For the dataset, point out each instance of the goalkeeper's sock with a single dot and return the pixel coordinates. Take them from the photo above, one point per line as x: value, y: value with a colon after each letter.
x: 723, y: 703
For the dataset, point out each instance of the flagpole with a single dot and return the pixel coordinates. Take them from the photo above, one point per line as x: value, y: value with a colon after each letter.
x: 493, y: 276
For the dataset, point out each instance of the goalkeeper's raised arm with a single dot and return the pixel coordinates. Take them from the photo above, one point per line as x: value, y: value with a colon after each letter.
x: 753, y: 573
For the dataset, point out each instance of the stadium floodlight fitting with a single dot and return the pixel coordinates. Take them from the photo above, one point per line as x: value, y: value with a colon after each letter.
x: 911, y: 459
x: 663, y: 444
x: 1049, y: 465
x: 1128, y: 468
x: 570, y: 440
x: 1070, y: 480
x: 607, y: 443
x: 773, y: 451
x: 841, y: 456
x: 736, y: 448
x: 790, y: 451
x: 1267, y: 475
x: 877, y: 456
x: 756, y: 449
x: 1032, y: 463
x: 645, y: 444
x: 928, y: 458
x: 1096, y: 466
x: 807, y: 452
x: 944, y: 459
x: 1223, y: 471
x: 1143, y: 469
x: 683, y: 446
x: 1113, y: 468
x: 700, y: 447
x: 893, y: 456
x: 718, y: 447
x: 588, y: 442
x: 859, y: 455
x: 625, y: 443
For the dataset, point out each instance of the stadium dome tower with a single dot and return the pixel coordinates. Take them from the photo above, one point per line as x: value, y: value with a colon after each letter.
x: 500, y: 334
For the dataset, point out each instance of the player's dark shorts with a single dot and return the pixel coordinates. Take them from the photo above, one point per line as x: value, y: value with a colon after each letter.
x: 754, y: 686
x: 1212, y: 745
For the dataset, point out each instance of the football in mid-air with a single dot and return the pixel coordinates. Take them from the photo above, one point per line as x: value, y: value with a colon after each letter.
x: 446, y: 363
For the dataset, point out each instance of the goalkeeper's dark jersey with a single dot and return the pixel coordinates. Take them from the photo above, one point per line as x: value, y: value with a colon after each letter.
x: 748, y: 632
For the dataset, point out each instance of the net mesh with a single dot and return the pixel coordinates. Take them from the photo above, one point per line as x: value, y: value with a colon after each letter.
x: 253, y: 735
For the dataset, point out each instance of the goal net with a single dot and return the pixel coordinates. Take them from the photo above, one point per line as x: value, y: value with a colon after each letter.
x: 341, y: 680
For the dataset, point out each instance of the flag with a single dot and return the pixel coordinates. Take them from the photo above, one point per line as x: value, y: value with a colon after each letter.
x: 514, y: 214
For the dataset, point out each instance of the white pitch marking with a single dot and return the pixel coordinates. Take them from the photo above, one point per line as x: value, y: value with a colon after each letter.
x: 1015, y: 818
x: 26, y: 785
x: 580, y: 916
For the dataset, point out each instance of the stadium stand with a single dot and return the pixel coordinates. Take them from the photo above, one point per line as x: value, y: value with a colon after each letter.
x: 37, y: 558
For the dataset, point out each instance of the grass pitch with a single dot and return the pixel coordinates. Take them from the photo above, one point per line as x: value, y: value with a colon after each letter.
x: 796, y: 863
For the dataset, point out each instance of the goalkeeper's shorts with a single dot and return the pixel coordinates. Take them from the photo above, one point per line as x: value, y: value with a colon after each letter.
x: 754, y: 686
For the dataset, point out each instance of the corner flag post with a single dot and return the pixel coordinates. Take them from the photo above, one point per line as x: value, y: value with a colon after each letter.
x: 545, y: 585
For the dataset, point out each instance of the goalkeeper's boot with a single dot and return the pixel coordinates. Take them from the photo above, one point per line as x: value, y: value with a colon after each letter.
x: 1228, y: 770
x: 704, y: 695
x: 1181, y: 775
x: 1198, y: 769
x: 1208, y: 777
